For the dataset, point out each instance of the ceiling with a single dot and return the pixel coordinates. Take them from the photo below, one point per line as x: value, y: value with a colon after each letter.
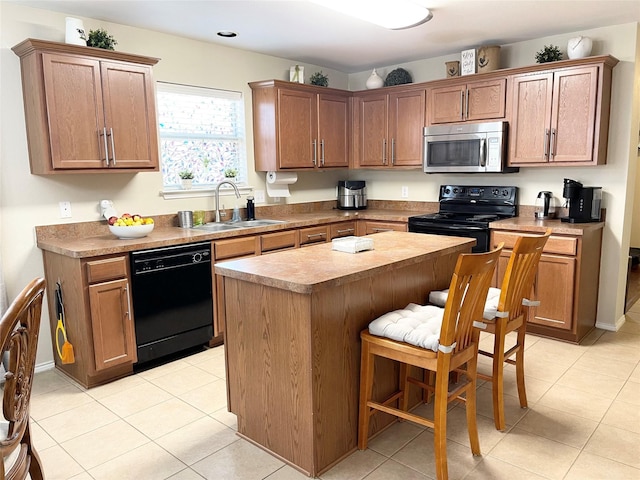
x: 309, y: 33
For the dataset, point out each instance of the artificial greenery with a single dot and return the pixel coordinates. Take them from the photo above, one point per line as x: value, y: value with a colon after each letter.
x: 319, y: 79
x: 230, y: 172
x: 399, y: 76
x: 186, y: 175
x: 98, y: 38
x: 550, y: 53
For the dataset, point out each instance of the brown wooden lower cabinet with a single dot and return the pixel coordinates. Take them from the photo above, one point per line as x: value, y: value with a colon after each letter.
x: 367, y: 227
x: 566, y: 283
x: 98, y: 316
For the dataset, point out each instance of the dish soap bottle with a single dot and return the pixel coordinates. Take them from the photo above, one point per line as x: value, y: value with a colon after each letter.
x: 251, y: 209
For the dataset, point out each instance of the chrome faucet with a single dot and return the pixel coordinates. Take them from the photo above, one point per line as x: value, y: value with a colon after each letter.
x: 228, y: 182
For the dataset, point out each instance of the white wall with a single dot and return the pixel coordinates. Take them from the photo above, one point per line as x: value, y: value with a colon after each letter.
x: 27, y: 200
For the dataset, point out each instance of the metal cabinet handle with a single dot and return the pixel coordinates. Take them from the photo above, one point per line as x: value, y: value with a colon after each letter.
x: 483, y: 152
x: 466, y: 106
x: 315, y: 154
x: 113, y: 147
x: 461, y: 105
x: 128, y: 312
x: 552, y: 143
x: 382, y: 229
x: 546, y: 143
x: 322, y: 151
x: 384, y: 151
x: 347, y: 230
x: 106, y: 145
x: 393, y: 151
x: 314, y: 235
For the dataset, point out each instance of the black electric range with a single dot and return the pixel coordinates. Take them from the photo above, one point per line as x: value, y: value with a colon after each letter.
x: 466, y: 211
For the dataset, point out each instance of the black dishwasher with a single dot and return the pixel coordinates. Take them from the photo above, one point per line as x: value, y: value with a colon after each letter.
x: 172, y: 299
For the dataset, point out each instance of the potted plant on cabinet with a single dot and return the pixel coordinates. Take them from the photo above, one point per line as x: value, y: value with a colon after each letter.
x: 186, y: 179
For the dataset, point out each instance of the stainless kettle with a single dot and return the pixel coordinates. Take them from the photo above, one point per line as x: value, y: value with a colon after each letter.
x: 545, y: 206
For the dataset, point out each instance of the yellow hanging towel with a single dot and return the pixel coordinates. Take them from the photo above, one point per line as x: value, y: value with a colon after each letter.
x: 66, y: 351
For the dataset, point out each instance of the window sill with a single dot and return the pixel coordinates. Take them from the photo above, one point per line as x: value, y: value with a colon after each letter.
x: 170, y: 194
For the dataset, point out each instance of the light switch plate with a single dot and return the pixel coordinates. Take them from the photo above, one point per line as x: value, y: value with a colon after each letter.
x: 65, y: 209
x: 405, y: 192
x: 259, y: 194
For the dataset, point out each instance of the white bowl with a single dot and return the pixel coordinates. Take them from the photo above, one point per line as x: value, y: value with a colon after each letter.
x: 133, y: 231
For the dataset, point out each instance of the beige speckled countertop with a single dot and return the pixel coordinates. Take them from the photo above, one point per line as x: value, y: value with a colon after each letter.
x: 91, y: 239
x: 530, y: 224
x: 289, y: 270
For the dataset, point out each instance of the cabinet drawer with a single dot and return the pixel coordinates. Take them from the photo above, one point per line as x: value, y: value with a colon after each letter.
x: 107, y: 269
x: 555, y: 244
x: 278, y: 241
x: 377, y: 227
x: 344, y: 229
x: 314, y: 235
x: 236, y: 247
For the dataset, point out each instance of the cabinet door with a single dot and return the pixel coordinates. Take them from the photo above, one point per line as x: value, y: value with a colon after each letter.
x: 334, y: 131
x: 297, y: 127
x: 573, y: 115
x: 446, y: 104
x: 530, y: 118
x: 486, y: 100
x: 554, y: 288
x: 130, y: 115
x: 406, y: 123
x: 75, y: 120
x: 112, y: 324
x: 371, y: 134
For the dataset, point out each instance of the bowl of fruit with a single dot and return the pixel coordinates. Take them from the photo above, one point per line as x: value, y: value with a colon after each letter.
x: 129, y: 226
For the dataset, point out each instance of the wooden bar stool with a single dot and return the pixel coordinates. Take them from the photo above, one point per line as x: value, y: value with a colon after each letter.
x: 441, y: 352
x: 511, y: 315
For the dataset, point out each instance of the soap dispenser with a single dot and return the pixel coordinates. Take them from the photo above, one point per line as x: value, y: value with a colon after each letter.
x: 251, y: 209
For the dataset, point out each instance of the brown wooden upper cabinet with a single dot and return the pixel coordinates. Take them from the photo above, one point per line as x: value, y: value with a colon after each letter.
x: 560, y: 117
x: 388, y: 127
x: 88, y: 109
x: 298, y: 126
x: 471, y: 101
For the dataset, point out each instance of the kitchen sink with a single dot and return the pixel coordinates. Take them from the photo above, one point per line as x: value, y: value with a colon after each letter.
x: 256, y: 223
x: 221, y: 227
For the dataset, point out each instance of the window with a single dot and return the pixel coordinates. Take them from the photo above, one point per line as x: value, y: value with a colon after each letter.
x: 201, y: 130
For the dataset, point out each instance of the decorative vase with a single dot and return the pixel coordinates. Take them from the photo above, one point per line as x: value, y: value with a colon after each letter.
x: 488, y: 58
x: 186, y: 183
x: 374, y: 80
x: 71, y: 31
x: 579, y: 47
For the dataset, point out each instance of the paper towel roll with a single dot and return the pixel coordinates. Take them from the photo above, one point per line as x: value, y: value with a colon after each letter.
x: 278, y: 183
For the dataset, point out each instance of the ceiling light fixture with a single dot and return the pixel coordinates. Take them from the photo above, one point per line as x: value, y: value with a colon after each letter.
x: 392, y: 14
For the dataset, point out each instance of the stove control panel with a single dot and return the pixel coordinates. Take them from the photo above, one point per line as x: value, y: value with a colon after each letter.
x: 469, y: 193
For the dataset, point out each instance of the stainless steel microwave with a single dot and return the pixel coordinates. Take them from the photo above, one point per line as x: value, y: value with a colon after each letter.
x: 466, y: 148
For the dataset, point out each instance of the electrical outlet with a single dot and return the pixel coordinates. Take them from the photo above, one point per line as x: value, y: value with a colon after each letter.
x: 65, y: 209
x: 259, y: 194
x: 405, y: 192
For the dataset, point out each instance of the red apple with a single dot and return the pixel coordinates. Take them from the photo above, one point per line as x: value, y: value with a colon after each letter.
x: 112, y: 220
x: 125, y: 215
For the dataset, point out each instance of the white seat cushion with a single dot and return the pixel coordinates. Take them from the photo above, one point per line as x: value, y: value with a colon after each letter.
x: 416, y: 324
x: 439, y: 298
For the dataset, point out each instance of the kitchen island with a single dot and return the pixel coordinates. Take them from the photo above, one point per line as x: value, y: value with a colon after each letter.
x: 292, y: 341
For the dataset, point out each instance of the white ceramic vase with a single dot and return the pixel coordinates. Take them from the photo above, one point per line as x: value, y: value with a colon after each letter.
x: 71, y: 31
x: 579, y: 47
x: 374, y: 80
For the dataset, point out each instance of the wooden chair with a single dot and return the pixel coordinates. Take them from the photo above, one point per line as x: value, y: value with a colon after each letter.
x: 511, y: 315
x: 457, y: 346
x: 19, y: 328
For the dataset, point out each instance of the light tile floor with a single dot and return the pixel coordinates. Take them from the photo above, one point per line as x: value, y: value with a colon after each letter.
x: 171, y: 422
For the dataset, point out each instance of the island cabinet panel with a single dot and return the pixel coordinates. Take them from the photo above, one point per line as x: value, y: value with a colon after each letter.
x: 98, y: 316
x: 479, y: 100
x: 560, y: 117
x: 388, y: 128
x: 293, y: 354
x: 566, y: 282
x: 299, y: 126
x: 88, y: 111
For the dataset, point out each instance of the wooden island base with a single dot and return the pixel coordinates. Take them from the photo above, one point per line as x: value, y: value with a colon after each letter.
x: 292, y: 344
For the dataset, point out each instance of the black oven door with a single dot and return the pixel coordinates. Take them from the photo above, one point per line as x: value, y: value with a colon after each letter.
x: 481, y: 234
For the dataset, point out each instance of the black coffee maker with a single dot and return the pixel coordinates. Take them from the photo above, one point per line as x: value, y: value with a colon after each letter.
x: 584, y: 202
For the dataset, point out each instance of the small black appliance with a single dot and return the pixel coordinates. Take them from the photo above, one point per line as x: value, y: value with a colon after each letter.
x: 352, y: 195
x: 584, y: 202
